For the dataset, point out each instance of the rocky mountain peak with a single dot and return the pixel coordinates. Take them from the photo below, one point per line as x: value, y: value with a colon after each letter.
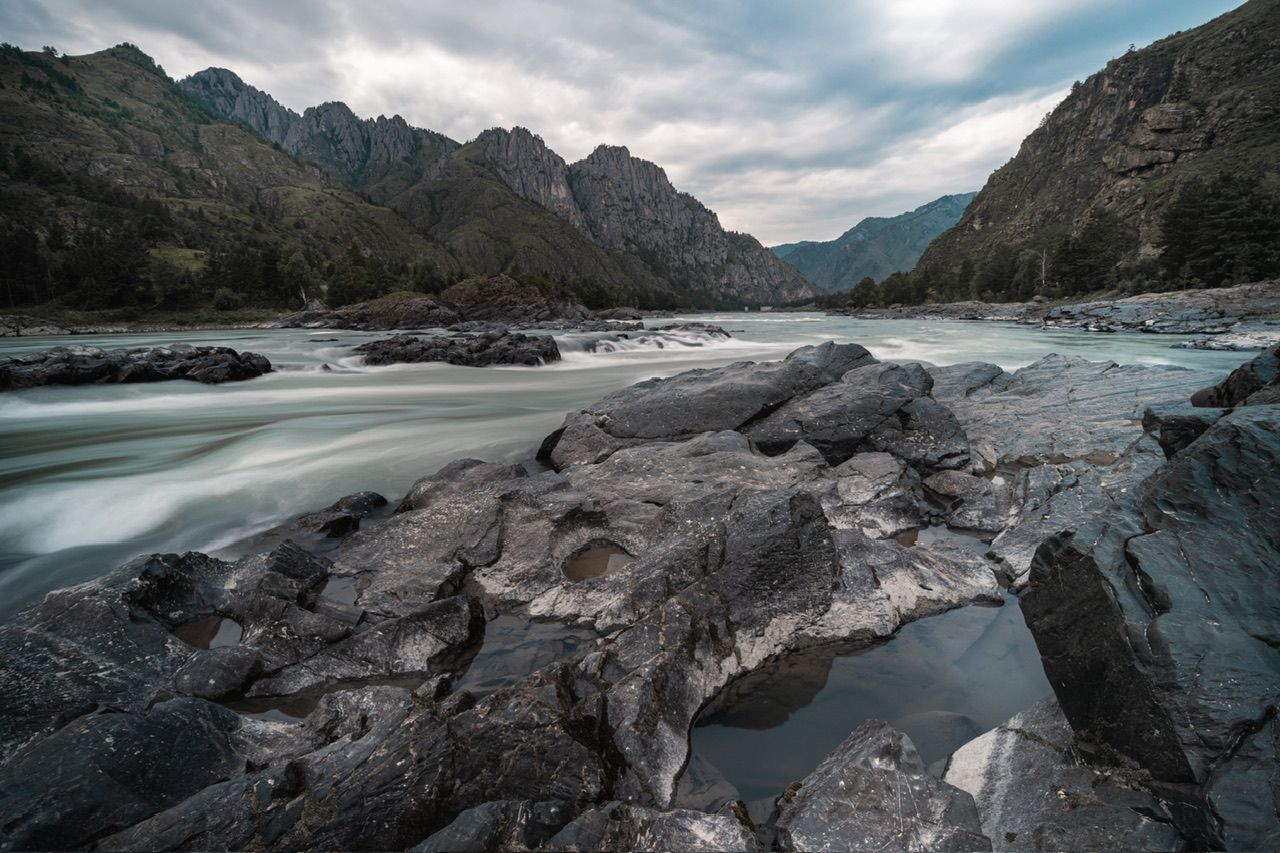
x: 228, y: 95
x: 532, y: 170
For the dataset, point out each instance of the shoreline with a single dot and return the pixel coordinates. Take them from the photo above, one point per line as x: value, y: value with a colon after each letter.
x: 1240, y: 318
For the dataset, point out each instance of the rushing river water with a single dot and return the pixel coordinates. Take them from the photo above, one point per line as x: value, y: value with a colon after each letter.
x: 91, y: 476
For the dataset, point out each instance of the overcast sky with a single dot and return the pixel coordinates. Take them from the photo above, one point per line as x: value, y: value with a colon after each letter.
x: 790, y: 120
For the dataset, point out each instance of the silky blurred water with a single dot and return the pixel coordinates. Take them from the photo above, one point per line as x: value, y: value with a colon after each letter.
x: 91, y: 476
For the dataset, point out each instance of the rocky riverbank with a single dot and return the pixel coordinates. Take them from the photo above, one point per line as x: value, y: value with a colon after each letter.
x: 1243, y: 317
x: 83, y: 365
x: 682, y: 533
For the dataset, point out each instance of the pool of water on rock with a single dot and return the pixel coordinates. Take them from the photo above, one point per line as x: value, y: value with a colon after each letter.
x: 595, y: 561
x: 515, y: 646
x: 942, y: 680
x: 209, y: 632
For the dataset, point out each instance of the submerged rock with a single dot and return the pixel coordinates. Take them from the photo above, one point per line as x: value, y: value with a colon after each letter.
x: 1159, y: 625
x: 873, y: 792
x: 480, y: 350
x: 83, y: 365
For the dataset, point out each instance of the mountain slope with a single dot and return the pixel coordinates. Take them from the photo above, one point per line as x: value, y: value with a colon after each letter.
x: 105, y: 161
x: 876, y: 247
x: 626, y: 224
x: 1118, y: 151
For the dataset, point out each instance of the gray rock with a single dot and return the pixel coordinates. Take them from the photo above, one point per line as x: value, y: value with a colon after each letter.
x: 1035, y: 790
x: 502, y: 825
x: 404, y: 645
x: 1061, y: 409
x: 80, y: 365
x: 1253, y: 384
x: 625, y: 827
x: 215, y: 673
x: 873, y: 792
x: 108, y: 770
x: 454, y: 480
x: 876, y: 493
x: 1176, y: 425
x: 695, y: 402
x: 482, y: 350
x: 1055, y: 498
x: 1158, y: 628
x: 839, y: 418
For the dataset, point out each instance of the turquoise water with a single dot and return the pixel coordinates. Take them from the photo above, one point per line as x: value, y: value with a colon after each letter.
x: 93, y: 475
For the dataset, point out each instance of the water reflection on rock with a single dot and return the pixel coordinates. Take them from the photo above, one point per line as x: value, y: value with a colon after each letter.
x: 941, y: 680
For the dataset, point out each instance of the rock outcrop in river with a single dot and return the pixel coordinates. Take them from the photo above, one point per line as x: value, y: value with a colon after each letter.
x: 482, y: 350
x: 691, y: 530
x: 84, y: 365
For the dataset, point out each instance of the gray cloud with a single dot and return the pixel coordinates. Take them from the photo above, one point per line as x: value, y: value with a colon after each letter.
x: 792, y: 121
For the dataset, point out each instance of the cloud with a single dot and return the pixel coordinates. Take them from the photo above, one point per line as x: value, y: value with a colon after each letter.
x: 792, y: 121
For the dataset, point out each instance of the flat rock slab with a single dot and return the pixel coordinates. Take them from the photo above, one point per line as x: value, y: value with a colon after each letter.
x: 1061, y: 409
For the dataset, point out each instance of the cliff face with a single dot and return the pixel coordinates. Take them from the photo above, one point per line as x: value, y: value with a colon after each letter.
x: 1195, y: 104
x: 876, y: 247
x: 627, y: 205
x: 377, y: 156
x: 626, y: 222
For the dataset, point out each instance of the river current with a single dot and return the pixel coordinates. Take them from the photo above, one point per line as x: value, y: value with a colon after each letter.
x: 91, y: 476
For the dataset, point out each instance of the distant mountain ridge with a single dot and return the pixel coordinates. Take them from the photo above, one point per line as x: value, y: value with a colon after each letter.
x: 617, y: 204
x: 876, y: 247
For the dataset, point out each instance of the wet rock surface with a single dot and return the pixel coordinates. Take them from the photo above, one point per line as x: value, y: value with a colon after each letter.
x: 1036, y: 789
x: 84, y: 365
x: 479, y: 350
x: 1254, y: 384
x: 1159, y: 625
x: 754, y: 509
x: 874, y: 791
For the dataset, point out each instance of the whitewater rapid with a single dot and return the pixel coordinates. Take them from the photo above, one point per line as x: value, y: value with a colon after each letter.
x: 91, y: 476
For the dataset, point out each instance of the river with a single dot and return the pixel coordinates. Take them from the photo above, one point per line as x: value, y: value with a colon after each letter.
x: 91, y: 476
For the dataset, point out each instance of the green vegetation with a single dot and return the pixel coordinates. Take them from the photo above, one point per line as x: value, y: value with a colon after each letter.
x: 1217, y: 232
x: 121, y: 192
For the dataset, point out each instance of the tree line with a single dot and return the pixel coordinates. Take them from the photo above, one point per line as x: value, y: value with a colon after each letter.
x: 1217, y: 231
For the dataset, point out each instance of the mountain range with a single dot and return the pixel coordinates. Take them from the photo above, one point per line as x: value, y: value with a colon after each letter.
x: 222, y: 164
x: 876, y: 247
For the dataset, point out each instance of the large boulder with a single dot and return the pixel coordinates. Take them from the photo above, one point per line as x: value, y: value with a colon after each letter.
x: 695, y: 402
x: 81, y: 365
x: 882, y: 407
x: 1159, y: 626
x: 1254, y: 384
x: 480, y: 350
x: 873, y: 792
x: 108, y: 770
x: 394, y: 311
